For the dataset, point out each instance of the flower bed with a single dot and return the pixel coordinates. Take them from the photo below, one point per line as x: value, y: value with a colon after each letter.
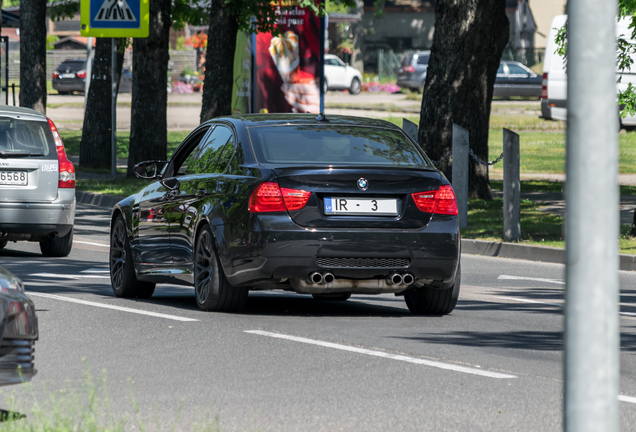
x: 376, y: 87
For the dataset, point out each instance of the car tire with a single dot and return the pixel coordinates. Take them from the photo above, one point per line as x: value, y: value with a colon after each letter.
x: 355, y: 86
x: 211, y: 289
x: 122, y: 268
x: 3, y: 244
x: 325, y: 86
x: 433, y: 301
x: 58, y: 246
x: 332, y: 297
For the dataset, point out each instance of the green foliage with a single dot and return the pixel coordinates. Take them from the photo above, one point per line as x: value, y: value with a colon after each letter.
x: 626, y: 52
x: 50, y: 40
x: 190, y: 12
x: 63, y: 9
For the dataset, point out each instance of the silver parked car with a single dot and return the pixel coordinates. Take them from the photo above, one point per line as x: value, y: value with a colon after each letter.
x: 19, y: 331
x: 37, y: 183
x: 412, y: 71
x: 515, y: 79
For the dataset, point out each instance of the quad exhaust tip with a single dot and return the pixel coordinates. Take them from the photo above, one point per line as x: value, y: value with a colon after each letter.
x: 328, y: 278
x: 315, y: 278
x: 400, y: 279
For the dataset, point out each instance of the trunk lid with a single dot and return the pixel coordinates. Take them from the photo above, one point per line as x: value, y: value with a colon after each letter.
x: 342, y: 182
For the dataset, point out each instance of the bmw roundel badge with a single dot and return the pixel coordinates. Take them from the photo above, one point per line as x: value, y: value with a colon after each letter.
x: 363, y: 184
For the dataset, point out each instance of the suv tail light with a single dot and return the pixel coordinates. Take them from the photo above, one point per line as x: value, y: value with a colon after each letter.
x: 66, y: 178
x: 441, y: 201
x: 409, y: 69
x: 56, y: 74
x: 270, y: 197
x: 544, y: 86
x: 81, y: 74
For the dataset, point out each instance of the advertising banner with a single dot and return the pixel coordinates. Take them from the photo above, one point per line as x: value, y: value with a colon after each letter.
x: 241, y: 93
x: 288, y: 66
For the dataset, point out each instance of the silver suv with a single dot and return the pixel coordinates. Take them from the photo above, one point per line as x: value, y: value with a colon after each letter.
x: 412, y: 71
x: 37, y: 183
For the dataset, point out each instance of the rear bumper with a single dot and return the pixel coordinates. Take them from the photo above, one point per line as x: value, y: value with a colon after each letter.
x: 412, y: 83
x: 279, y: 250
x: 69, y: 85
x: 32, y: 221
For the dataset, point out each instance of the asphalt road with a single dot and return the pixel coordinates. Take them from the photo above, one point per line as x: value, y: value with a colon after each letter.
x: 290, y: 363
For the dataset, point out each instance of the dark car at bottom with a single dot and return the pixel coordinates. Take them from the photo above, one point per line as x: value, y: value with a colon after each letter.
x: 323, y: 205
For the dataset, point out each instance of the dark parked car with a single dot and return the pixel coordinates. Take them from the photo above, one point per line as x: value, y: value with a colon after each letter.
x: 70, y: 76
x: 329, y: 206
x: 20, y: 331
x: 515, y: 79
x: 412, y: 71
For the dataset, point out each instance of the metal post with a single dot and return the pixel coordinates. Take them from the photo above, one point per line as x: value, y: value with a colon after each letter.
x: 511, y: 187
x: 13, y: 91
x: 89, y: 68
x: 591, y: 361
x: 460, y: 172
x: 113, y: 109
x: 410, y: 128
x: 5, y: 39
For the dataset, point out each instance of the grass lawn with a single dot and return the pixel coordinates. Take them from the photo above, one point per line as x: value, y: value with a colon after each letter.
x: 72, y: 139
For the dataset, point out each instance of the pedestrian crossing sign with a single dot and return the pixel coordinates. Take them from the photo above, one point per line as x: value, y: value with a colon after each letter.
x: 115, y: 18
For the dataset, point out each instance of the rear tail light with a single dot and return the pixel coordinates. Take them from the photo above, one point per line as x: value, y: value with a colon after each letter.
x: 66, y: 178
x: 409, y: 69
x: 440, y: 201
x: 270, y: 197
x: 81, y: 74
x: 544, y: 86
x: 56, y: 74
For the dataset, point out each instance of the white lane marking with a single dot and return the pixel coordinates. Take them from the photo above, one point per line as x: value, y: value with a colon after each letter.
x: 96, y: 270
x: 528, y: 301
x: 403, y: 358
x: 629, y: 399
x: 550, y: 304
x: 553, y: 281
x: 91, y: 243
x: 107, y: 306
x: 67, y: 276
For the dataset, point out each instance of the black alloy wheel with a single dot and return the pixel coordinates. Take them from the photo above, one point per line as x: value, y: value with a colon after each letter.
x: 433, y: 301
x: 211, y: 289
x: 325, y: 87
x: 122, y: 268
x: 58, y: 246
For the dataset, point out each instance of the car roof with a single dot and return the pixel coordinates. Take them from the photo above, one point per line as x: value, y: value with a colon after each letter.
x: 21, y: 112
x: 251, y: 120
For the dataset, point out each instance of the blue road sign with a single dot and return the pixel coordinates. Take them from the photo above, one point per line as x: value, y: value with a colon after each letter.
x: 115, y: 18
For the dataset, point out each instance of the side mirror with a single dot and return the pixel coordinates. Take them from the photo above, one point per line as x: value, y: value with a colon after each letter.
x: 149, y: 170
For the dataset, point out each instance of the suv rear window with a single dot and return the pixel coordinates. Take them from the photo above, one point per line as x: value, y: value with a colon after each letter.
x: 334, y: 145
x: 422, y: 59
x: 406, y: 60
x: 25, y: 138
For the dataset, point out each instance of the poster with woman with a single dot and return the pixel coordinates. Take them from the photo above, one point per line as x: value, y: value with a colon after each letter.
x: 288, y: 65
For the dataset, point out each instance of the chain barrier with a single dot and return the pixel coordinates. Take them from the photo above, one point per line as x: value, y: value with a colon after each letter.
x: 479, y: 161
x: 443, y: 159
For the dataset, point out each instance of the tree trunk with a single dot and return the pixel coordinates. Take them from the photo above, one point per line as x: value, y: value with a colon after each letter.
x: 33, y: 54
x: 95, y: 145
x: 470, y: 36
x: 148, y: 124
x: 219, y: 62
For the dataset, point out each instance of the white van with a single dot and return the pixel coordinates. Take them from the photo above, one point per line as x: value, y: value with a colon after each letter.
x: 554, y: 91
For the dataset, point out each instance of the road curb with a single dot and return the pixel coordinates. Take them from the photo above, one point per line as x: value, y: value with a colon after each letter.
x: 530, y: 252
x: 98, y: 200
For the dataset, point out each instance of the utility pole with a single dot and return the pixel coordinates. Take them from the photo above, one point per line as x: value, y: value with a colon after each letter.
x: 592, y: 348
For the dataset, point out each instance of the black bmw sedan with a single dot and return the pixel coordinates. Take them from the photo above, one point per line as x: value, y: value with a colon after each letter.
x: 329, y: 206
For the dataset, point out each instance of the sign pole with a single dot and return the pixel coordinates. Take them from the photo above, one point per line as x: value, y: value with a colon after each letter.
x: 592, y: 327
x: 113, y: 109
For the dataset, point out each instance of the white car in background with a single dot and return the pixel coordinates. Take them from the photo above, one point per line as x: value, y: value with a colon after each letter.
x: 341, y: 76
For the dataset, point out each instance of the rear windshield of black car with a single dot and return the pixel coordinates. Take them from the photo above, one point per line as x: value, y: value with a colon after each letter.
x: 334, y: 145
x: 72, y: 65
x: 25, y: 138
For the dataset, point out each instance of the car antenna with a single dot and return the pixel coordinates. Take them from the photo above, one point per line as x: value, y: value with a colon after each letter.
x: 322, y: 118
